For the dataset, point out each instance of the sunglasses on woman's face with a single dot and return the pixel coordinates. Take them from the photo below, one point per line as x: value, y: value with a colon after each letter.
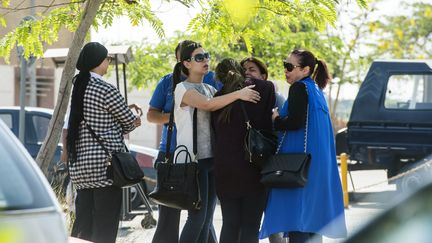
x: 200, y: 57
x: 109, y: 59
x: 289, y: 66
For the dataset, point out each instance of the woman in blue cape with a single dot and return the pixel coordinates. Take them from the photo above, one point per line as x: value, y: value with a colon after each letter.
x: 317, y: 209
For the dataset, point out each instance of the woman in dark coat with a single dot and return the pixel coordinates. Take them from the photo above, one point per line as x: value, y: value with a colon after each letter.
x: 241, y: 195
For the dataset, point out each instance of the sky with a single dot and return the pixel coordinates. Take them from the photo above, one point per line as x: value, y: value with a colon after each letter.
x: 176, y: 17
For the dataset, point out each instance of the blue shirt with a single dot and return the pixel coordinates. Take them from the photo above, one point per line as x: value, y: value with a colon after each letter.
x: 162, y: 99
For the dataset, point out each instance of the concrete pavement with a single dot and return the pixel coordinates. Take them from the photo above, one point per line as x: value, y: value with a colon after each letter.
x: 368, y: 202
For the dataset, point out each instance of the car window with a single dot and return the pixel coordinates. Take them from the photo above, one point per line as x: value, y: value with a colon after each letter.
x: 7, y: 119
x: 20, y: 186
x: 412, y: 92
x: 41, y: 124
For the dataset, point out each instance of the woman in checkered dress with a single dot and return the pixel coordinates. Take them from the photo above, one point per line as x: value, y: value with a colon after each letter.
x: 99, y: 105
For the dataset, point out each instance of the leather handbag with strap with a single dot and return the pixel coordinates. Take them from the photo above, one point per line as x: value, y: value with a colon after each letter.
x: 287, y: 170
x: 122, y: 166
x: 259, y: 145
x: 177, y: 181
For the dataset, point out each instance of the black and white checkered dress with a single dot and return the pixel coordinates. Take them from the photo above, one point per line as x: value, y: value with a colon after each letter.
x: 107, y: 113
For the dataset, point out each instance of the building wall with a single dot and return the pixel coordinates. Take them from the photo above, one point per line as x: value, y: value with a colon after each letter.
x: 9, y: 89
x: 7, y: 86
x: 13, y: 19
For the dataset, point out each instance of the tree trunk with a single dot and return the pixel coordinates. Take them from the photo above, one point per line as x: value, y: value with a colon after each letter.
x: 47, y: 150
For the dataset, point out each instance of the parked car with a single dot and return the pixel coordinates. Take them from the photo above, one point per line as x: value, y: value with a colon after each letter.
x: 29, y: 211
x: 36, y: 127
x: 390, y: 126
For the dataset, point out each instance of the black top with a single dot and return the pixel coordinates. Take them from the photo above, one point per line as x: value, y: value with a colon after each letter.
x: 235, y: 176
x: 298, y: 101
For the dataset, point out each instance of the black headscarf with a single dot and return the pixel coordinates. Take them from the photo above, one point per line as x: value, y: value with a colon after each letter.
x: 91, y: 56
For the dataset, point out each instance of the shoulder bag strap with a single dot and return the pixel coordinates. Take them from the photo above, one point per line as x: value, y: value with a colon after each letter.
x: 248, y: 125
x: 195, y: 136
x: 171, y: 129
x: 306, y: 126
x: 93, y: 134
x: 307, y: 119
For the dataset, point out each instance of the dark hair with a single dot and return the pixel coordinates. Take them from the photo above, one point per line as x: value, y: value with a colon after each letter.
x: 180, y: 45
x: 91, y: 56
x: 230, y: 73
x: 261, y: 66
x: 307, y: 59
x: 186, y: 50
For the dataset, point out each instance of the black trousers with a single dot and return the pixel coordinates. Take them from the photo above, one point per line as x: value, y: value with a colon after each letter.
x: 303, y: 237
x: 97, y: 214
x: 241, y: 218
x: 167, y: 230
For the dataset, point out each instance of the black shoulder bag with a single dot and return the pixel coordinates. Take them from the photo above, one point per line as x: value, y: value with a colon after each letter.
x: 124, y: 167
x: 259, y: 145
x: 288, y: 170
x: 177, y: 181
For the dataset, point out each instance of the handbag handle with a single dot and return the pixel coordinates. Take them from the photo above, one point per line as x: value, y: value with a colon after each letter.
x: 183, y: 149
x: 306, y: 127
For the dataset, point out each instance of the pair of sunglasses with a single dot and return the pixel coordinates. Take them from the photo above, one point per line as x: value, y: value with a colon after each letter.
x: 110, y: 59
x: 289, y: 66
x: 200, y: 57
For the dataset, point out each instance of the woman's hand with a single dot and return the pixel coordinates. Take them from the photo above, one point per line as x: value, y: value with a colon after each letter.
x: 275, y: 113
x: 137, y: 122
x: 248, y: 94
x: 137, y: 108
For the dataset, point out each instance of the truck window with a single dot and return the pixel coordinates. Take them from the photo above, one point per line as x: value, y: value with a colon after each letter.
x: 409, y: 91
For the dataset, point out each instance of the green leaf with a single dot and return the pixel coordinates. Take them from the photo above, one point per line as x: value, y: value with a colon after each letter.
x: 2, y: 21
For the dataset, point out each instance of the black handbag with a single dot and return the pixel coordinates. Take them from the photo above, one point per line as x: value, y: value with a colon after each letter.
x: 259, y: 145
x: 177, y: 182
x: 288, y: 170
x: 122, y: 166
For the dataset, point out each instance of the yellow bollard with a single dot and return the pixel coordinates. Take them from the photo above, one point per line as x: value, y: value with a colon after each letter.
x: 344, y: 178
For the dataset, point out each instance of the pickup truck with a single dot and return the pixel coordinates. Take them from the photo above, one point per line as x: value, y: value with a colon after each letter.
x: 390, y: 126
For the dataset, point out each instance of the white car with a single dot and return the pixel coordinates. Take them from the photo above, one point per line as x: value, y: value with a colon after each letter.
x: 29, y: 211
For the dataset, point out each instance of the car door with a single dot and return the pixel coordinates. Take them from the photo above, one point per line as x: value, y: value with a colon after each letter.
x: 36, y: 129
x: 37, y: 125
x: 8, y: 118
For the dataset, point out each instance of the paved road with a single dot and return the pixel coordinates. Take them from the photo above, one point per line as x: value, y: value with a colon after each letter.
x: 365, y: 203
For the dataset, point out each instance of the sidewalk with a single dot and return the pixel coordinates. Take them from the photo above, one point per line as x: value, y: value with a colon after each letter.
x: 131, y: 231
x: 356, y: 215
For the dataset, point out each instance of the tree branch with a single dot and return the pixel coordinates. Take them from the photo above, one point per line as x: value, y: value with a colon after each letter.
x: 17, y: 8
x: 46, y: 152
